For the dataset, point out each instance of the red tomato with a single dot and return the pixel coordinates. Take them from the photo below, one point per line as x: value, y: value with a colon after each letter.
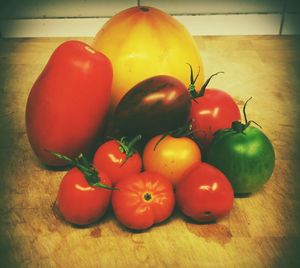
x: 118, y: 159
x: 204, y: 194
x: 68, y: 102
x: 170, y: 157
x: 211, y: 110
x: 79, y: 202
x: 142, y: 200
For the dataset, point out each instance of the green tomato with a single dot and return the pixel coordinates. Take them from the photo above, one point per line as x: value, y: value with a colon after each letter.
x: 245, y: 155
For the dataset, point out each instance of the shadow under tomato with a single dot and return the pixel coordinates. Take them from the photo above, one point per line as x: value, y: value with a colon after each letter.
x: 108, y: 215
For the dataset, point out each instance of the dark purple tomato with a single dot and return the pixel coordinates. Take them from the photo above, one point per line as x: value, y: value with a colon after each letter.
x: 154, y: 106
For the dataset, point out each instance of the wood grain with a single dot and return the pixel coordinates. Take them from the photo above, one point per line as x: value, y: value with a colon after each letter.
x: 262, y: 229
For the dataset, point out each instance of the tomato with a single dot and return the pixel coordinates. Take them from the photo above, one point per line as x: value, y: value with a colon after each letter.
x: 83, y: 196
x: 142, y: 42
x: 244, y: 154
x: 153, y: 106
x: 204, y: 194
x: 117, y: 159
x: 80, y: 203
x: 143, y: 200
x: 68, y: 102
x: 211, y: 110
x: 171, y: 156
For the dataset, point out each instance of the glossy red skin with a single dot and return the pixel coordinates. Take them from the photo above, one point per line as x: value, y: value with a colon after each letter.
x: 130, y: 206
x: 68, y: 102
x: 153, y: 106
x: 204, y: 194
x: 109, y: 159
x: 211, y: 112
x: 80, y: 203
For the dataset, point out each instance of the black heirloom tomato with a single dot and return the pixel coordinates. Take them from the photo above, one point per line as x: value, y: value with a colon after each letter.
x: 244, y: 154
x: 153, y: 106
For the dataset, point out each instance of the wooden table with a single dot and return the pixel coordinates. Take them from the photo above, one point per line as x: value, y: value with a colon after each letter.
x: 261, y: 231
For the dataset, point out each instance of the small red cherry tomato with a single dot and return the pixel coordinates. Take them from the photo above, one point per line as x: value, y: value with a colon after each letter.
x: 204, y: 194
x: 83, y: 196
x: 142, y: 200
x: 78, y: 201
x: 117, y: 159
x: 211, y: 110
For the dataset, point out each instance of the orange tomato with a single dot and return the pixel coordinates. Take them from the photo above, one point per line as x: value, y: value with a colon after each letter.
x: 142, y: 42
x: 170, y: 157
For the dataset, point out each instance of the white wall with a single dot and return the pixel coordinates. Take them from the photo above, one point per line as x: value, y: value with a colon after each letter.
x: 31, y: 18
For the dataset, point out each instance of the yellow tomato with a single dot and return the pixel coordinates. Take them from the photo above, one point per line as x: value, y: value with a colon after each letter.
x: 171, y: 157
x: 142, y: 42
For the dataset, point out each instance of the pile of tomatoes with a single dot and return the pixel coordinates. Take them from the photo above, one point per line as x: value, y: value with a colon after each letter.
x: 172, y: 143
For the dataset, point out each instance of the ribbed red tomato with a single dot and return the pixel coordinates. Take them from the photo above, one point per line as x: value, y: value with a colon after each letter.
x: 142, y: 200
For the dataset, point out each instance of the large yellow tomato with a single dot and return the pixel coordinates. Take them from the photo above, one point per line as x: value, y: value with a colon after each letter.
x: 144, y: 41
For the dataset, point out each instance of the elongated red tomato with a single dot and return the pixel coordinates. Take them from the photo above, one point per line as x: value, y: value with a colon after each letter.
x: 68, y: 102
x: 142, y: 200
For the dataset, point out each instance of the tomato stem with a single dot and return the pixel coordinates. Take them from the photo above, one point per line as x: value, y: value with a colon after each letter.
x: 239, y: 126
x: 203, y: 88
x: 89, y: 171
x: 184, y: 131
x: 147, y: 196
x: 127, y: 147
x: 192, y: 89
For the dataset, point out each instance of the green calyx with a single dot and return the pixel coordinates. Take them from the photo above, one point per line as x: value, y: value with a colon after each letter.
x: 237, y: 126
x: 127, y: 147
x: 192, y: 88
x: 89, y: 171
x: 240, y: 127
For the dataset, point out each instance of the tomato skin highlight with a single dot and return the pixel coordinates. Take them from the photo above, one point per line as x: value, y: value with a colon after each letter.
x: 153, y: 106
x: 68, y: 103
x: 143, y: 200
x: 247, y: 159
x: 142, y: 42
x: 171, y: 157
x: 204, y: 194
x: 80, y: 203
x: 109, y: 159
x: 213, y: 111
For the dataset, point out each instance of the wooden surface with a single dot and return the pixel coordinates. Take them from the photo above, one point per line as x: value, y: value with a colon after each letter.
x: 261, y: 231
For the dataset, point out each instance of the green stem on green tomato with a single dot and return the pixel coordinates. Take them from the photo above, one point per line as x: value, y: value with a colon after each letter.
x: 88, y: 170
x: 239, y: 126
